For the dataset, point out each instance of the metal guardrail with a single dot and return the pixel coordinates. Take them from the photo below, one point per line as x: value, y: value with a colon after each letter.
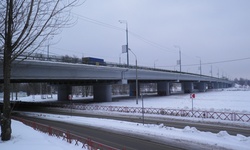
x: 66, y: 136
x: 230, y: 116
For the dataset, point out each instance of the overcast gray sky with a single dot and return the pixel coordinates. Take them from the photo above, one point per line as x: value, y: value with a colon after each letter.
x: 213, y: 30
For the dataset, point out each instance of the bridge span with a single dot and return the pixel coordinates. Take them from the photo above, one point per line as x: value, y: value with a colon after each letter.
x: 65, y: 75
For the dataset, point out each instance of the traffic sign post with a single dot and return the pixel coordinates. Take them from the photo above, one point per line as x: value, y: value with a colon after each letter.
x: 71, y: 104
x: 143, y: 109
x: 192, y: 96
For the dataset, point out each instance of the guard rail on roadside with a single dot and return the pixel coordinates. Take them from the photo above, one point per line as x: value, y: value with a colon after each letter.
x: 67, y: 136
x: 231, y: 116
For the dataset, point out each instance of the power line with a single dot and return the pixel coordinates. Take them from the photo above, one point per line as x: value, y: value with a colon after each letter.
x: 225, y: 61
x: 219, y: 62
x: 121, y: 29
x: 151, y: 42
x: 211, y: 63
x: 97, y: 22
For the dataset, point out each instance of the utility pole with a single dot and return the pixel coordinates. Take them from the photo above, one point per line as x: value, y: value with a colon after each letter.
x: 127, y: 48
x: 200, y: 67
x: 48, y: 52
x: 155, y: 62
x: 180, y: 57
x: 136, y: 77
x: 211, y: 71
x: 48, y: 47
x: 127, y: 43
x: 179, y: 61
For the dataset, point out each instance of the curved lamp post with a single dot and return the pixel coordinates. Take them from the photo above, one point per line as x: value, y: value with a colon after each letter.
x: 136, y: 78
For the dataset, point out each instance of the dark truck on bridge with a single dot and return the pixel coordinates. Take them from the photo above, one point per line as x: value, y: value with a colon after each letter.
x: 93, y: 61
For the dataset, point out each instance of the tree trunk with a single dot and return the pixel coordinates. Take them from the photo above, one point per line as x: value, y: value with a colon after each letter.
x: 6, y: 118
x: 25, y: 26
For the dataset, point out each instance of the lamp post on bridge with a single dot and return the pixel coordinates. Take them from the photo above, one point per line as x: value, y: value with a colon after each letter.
x: 211, y: 71
x: 127, y: 49
x: 200, y: 65
x: 155, y: 62
x: 48, y: 47
x: 179, y: 61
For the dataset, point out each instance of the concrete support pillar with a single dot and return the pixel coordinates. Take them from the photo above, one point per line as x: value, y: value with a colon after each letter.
x: 163, y: 88
x: 188, y: 87
x: 216, y: 85
x: 102, y: 93
x: 210, y: 85
x: 220, y: 85
x: 201, y: 86
x: 226, y: 85
x: 64, y: 92
x: 132, y: 89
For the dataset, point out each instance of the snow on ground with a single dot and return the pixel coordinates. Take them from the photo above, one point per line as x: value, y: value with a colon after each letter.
x: 188, y: 135
x: 230, y: 100
x: 233, y: 99
x: 43, y: 98
x: 25, y: 138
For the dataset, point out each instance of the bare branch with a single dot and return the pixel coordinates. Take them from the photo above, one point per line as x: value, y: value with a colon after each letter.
x: 24, y: 27
x: 26, y: 24
x: 35, y: 21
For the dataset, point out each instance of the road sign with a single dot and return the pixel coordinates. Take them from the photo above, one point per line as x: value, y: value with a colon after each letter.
x: 124, y: 48
x: 192, y: 95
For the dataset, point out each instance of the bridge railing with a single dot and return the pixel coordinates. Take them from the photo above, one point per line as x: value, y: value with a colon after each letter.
x: 230, y: 116
x: 74, y: 59
x: 66, y: 136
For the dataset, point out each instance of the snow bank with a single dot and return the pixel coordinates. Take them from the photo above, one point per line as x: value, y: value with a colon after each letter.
x: 25, y: 138
x: 223, y: 100
x: 188, y: 135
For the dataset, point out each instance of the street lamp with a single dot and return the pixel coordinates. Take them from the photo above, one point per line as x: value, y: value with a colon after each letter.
x: 211, y: 71
x: 51, y: 38
x: 124, y: 21
x: 200, y: 65
x: 155, y: 62
x: 218, y: 72
x: 176, y: 46
x: 136, y: 78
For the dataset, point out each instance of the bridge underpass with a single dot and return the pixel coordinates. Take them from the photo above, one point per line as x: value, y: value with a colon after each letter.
x: 66, y: 75
x: 103, y: 92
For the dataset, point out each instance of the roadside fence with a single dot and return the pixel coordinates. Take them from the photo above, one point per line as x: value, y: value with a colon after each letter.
x: 231, y: 116
x: 66, y: 136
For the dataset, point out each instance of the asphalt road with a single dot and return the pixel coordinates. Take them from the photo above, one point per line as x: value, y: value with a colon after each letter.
x: 117, y: 140
x: 207, y: 127
x: 129, y: 141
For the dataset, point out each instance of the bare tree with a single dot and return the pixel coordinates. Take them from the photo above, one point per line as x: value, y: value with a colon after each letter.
x: 24, y: 27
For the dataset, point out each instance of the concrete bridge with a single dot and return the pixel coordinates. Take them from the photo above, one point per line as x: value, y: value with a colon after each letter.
x: 65, y: 75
